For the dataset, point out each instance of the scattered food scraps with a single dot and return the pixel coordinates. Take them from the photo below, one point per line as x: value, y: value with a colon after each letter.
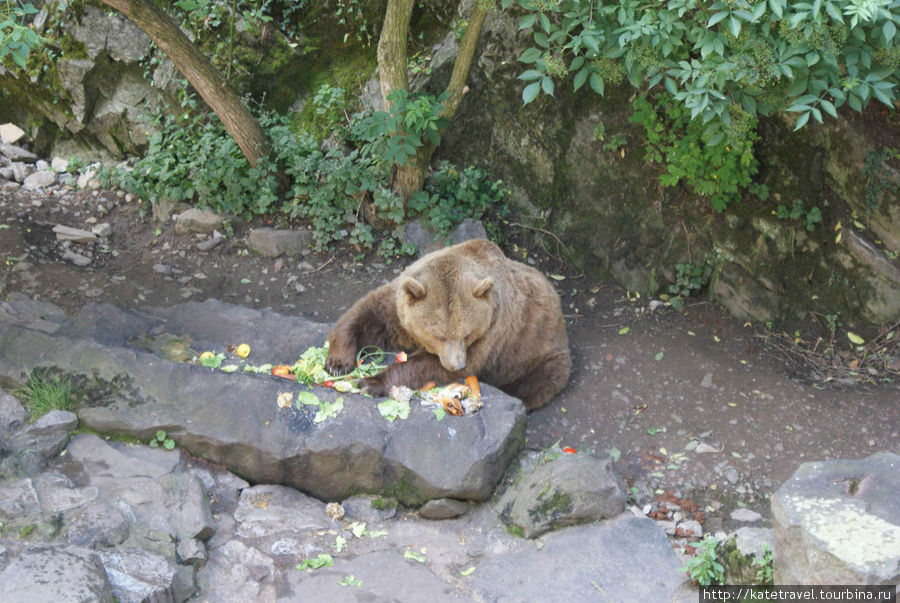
x: 285, y: 399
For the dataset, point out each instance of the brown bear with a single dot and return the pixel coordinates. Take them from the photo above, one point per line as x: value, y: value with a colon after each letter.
x: 462, y: 310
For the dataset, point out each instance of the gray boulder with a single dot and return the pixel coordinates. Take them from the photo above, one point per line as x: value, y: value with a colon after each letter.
x: 197, y: 220
x: 12, y: 414
x: 272, y: 242
x: 136, y: 576
x: 14, y: 153
x: 47, y: 573
x: 39, y: 179
x: 625, y: 559
x: 233, y: 419
x: 33, y: 445
x: 838, y: 522
x: 381, y: 576
x: 426, y: 240
x: 569, y: 490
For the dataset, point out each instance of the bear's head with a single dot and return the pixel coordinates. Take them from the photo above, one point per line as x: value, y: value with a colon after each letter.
x: 446, y: 309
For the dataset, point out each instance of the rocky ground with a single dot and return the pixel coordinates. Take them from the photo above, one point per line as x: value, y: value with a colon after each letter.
x: 703, y: 420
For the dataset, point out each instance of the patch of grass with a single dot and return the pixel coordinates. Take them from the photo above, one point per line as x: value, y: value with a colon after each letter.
x: 43, y: 392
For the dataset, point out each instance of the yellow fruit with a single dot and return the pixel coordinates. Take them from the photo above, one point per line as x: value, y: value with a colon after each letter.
x: 243, y: 350
x: 206, y: 356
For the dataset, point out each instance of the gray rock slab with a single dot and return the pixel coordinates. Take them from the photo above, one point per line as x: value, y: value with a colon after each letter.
x: 97, y: 462
x: 18, y: 498
x: 59, y: 574
x: 12, y: 413
x: 233, y: 419
x: 197, y: 220
x: 39, y: 179
x: 754, y: 541
x: 20, y: 309
x: 369, y: 508
x: 46, y: 437
x: 838, y: 522
x: 426, y: 240
x: 568, y: 490
x: 98, y: 525
x: 273, y: 242
x: 444, y: 508
x: 136, y: 575
x: 15, y: 153
x: 268, y: 509
x: 238, y: 572
x: 77, y: 235
x: 383, y: 576
x: 11, y: 133
x: 57, y: 493
x: 625, y: 559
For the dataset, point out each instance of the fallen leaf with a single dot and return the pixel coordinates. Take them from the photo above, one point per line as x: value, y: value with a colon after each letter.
x: 854, y: 338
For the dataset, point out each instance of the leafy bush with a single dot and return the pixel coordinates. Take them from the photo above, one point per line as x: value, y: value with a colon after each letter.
x: 412, y: 121
x: 193, y: 158
x: 718, y: 172
x: 761, y: 56
x: 452, y: 195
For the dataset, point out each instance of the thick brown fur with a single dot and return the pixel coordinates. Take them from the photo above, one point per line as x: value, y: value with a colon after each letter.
x: 463, y: 310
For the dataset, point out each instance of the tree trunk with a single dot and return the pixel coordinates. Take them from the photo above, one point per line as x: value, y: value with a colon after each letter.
x: 205, y: 79
x: 392, y: 67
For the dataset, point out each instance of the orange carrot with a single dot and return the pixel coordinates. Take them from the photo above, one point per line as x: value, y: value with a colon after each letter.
x: 474, y: 387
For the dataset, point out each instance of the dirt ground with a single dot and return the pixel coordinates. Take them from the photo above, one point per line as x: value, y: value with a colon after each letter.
x: 693, y: 404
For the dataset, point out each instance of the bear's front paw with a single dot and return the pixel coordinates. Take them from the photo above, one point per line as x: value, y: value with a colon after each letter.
x: 340, y: 364
x: 374, y: 386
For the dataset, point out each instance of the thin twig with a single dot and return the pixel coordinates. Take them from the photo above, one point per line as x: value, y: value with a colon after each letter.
x: 541, y: 230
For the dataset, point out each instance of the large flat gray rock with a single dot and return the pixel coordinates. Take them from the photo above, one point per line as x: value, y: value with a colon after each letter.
x: 625, y: 559
x: 233, y: 419
x: 838, y: 522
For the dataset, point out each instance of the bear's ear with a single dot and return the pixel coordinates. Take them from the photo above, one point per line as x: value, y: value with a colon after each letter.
x: 413, y: 288
x: 484, y: 287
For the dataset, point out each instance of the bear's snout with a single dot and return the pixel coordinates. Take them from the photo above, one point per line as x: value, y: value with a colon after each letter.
x: 453, y: 357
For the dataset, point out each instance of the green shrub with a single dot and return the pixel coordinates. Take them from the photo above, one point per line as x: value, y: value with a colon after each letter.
x: 193, y: 158
x: 717, y: 171
x: 452, y: 195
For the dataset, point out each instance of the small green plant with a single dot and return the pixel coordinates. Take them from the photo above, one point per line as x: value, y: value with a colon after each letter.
x: 765, y: 572
x: 798, y: 211
x: 412, y: 121
x: 43, y: 392
x: 162, y: 439
x: 451, y: 195
x: 690, y: 279
x: 330, y: 103
x: 703, y: 567
x: 716, y: 169
x: 615, y: 142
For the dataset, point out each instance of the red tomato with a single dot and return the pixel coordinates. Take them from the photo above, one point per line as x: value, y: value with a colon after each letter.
x: 329, y: 383
x: 569, y: 450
